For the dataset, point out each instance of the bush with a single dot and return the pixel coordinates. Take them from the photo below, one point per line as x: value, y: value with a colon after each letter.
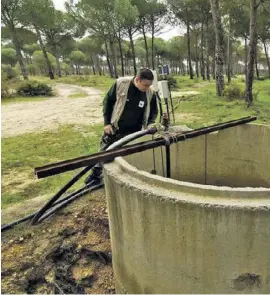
x: 233, y: 91
x: 33, y: 69
x: 10, y: 72
x: 171, y: 80
x: 4, y: 89
x: 86, y: 71
x: 34, y: 88
x: 4, y: 84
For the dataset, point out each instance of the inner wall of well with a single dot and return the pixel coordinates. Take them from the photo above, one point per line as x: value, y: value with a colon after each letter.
x: 235, y: 157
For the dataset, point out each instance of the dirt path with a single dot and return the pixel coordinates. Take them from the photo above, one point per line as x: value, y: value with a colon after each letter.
x: 20, y: 118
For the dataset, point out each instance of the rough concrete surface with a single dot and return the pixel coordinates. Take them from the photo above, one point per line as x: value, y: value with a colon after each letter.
x: 172, y: 236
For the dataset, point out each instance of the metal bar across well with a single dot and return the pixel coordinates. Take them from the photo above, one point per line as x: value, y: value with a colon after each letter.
x: 108, y: 156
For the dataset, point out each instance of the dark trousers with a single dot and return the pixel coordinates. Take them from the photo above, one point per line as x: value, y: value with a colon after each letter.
x: 105, y: 142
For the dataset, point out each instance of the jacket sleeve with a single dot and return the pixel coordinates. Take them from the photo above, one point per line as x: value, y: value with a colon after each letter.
x: 153, y: 110
x: 108, y: 104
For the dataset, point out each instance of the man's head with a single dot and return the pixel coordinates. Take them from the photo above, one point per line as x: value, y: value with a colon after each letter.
x: 144, y: 79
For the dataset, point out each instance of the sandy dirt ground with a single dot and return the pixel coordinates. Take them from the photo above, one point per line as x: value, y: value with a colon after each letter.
x: 20, y: 118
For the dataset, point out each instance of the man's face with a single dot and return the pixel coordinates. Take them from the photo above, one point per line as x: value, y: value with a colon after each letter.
x: 143, y: 85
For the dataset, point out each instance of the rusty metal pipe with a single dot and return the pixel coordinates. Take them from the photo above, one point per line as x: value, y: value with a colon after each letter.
x: 72, y: 164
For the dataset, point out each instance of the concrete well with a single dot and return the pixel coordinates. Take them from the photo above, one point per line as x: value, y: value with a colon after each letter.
x: 205, y: 230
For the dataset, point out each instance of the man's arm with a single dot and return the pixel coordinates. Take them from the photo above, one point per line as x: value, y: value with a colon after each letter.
x: 108, y: 105
x: 153, y: 110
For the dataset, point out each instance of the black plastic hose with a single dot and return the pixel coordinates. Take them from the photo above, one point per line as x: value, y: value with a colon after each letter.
x: 60, y: 193
x: 71, y: 199
x: 80, y: 192
x: 85, y: 190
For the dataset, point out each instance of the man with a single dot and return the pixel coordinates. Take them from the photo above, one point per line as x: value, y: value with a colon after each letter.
x: 129, y: 106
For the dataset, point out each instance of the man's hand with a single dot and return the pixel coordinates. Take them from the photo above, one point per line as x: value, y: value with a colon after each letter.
x: 108, y: 129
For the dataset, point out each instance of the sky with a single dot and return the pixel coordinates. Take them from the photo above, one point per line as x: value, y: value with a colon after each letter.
x: 166, y: 34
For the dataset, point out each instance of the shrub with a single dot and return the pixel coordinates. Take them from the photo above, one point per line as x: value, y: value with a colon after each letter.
x: 86, y: 71
x: 34, y: 88
x: 33, y: 69
x: 171, y: 80
x: 4, y: 84
x: 4, y: 89
x: 233, y: 91
x: 10, y: 72
x: 66, y: 69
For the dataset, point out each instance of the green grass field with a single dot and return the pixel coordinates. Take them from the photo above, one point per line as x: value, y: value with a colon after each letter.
x: 205, y: 108
x: 78, y: 94
x: 98, y: 82
x: 21, y: 154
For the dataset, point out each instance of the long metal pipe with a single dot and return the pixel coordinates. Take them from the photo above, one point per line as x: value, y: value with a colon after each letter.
x: 72, y: 164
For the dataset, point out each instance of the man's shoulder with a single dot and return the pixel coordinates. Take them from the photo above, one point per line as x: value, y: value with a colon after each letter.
x: 125, y: 79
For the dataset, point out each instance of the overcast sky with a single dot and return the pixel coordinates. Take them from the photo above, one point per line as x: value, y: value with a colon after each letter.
x: 167, y: 33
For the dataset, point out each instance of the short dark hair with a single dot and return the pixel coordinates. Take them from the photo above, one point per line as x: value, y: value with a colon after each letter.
x: 145, y: 74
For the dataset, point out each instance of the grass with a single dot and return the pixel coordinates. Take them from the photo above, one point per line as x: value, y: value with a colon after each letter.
x: 78, y: 95
x: 99, y: 82
x: 184, y: 82
x: 17, y: 99
x: 205, y: 108
x: 21, y: 154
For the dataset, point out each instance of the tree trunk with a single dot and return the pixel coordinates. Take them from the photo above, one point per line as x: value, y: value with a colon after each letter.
x: 196, y: 56
x: 114, y: 59
x: 132, y: 51
x: 58, y: 66
x: 246, y: 57
x: 152, y: 41
x: 207, y: 53
x: 146, y: 47
x: 214, y: 69
x: 92, y: 65
x: 219, y: 50
x: 231, y: 60
x: 17, y: 45
x: 184, y: 68
x: 229, y: 53
x: 126, y: 65
x: 251, y: 51
x: 98, y: 65
x: 108, y: 59
x: 189, y: 51
x: 48, y: 63
x: 121, y: 56
x: 266, y: 56
x: 256, y: 61
x: 202, y: 55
